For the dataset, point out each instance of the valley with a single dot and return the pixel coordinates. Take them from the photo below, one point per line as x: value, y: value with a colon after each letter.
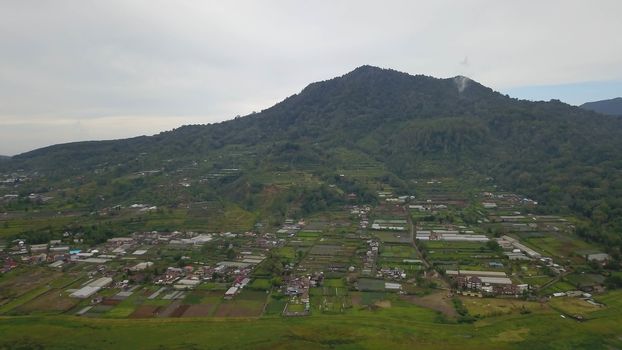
x: 450, y: 252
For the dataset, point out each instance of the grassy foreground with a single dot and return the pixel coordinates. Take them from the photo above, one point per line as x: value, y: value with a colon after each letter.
x: 534, y: 331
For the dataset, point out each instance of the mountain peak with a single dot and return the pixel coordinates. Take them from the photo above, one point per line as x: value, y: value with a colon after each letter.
x: 365, y: 72
x: 369, y: 71
x: 366, y: 68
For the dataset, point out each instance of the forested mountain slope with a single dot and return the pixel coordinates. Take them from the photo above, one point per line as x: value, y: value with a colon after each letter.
x: 566, y: 157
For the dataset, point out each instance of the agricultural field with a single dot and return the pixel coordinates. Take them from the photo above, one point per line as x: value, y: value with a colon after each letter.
x: 575, y: 307
x: 490, y: 307
x: 262, y: 279
x: 378, y: 328
x: 561, y: 245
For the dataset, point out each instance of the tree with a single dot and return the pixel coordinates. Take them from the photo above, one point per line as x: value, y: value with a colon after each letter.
x: 231, y: 254
x: 613, y: 282
x: 493, y: 245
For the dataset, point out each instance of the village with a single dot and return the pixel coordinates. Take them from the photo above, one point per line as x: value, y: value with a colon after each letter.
x: 429, y: 249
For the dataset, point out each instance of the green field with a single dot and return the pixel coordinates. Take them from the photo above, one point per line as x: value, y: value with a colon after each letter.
x: 559, y: 245
x: 380, y: 329
x: 398, y: 251
x: 560, y: 286
x: 393, y: 237
x: 334, y: 283
x: 260, y: 284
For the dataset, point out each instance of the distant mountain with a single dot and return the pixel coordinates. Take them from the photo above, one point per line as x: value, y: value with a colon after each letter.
x: 609, y: 107
x: 4, y: 158
x: 377, y: 122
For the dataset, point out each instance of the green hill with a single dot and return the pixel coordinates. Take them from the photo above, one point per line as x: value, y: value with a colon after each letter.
x: 398, y: 125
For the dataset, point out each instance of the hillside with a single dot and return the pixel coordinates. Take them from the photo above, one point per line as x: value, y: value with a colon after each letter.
x: 610, y: 107
x: 402, y: 126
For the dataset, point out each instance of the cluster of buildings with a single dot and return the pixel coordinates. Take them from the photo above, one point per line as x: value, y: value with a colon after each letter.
x: 298, y: 287
x: 91, y: 288
x: 143, y: 207
x: 517, y: 250
x: 155, y: 238
x: 389, y: 225
x: 389, y: 197
x: 427, y: 207
x: 370, y: 257
x: 13, y: 179
x: 362, y: 213
x: 485, y: 283
x: 393, y: 273
x: 7, y: 265
x: 240, y: 282
x: 7, y: 198
x: 509, y: 199
x: 25, y: 253
x: 450, y: 235
x: 133, y: 250
x: 36, y: 198
x: 290, y: 228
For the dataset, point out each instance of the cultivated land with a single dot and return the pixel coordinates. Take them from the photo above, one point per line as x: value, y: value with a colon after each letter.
x: 382, y: 328
x: 355, y: 276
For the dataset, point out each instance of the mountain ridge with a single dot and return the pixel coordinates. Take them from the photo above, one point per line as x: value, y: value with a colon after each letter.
x: 362, y: 73
x: 609, y: 107
x: 412, y: 126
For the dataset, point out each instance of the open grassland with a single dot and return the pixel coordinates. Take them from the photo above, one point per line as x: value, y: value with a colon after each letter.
x: 207, y: 216
x: 486, y: 307
x: 561, y: 245
x: 573, y: 306
x: 33, y: 221
x: 20, y: 286
x: 381, y: 329
x: 560, y: 286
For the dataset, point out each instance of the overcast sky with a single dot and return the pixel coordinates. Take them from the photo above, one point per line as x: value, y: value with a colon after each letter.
x: 82, y: 70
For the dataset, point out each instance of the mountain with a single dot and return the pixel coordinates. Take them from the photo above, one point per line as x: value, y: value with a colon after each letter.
x: 609, y: 107
x: 381, y: 123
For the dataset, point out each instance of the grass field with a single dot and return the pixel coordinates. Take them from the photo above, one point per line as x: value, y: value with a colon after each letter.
x: 573, y: 306
x: 54, y: 301
x: 537, y: 280
x: 215, y: 217
x: 286, y: 252
x: 29, y: 221
x: 560, y: 286
x: 398, y: 251
x: 261, y: 284
x: 381, y: 329
x: 558, y: 244
x: 368, y: 284
x: 393, y: 237
x: 334, y: 282
x: 486, y: 307
x: 19, y: 287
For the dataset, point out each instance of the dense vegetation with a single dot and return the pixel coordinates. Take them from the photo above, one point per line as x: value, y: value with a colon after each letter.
x: 414, y: 126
